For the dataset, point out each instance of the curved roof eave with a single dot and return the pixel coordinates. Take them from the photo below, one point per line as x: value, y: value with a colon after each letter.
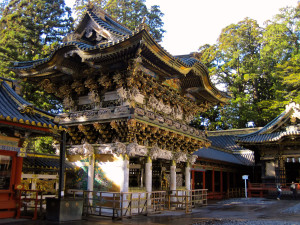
x: 15, y: 110
x: 91, y: 52
x: 265, y: 134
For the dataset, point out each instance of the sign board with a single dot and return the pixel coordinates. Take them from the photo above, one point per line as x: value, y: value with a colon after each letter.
x: 245, y: 177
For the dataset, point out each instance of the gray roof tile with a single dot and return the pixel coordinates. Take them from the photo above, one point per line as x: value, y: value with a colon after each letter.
x: 11, y: 103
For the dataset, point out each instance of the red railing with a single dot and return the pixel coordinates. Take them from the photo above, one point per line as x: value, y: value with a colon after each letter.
x: 28, y: 200
x: 264, y: 189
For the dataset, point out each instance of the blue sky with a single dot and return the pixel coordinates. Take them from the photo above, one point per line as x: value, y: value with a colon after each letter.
x: 192, y: 23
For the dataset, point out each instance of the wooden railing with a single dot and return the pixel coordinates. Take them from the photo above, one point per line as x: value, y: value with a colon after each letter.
x: 28, y: 203
x: 127, y: 204
x: 268, y: 189
x: 31, y: 203
x: 187, y: 199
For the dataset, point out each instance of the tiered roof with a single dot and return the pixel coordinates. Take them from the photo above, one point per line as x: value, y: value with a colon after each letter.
x: 99, y: 39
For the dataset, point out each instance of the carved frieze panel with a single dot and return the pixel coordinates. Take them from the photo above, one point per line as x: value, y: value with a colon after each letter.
x: 133, y: 149
x: 192, y: 159
x: 157, y: 153
x: 99, y: 114
x: 180, y: 157
x: 160, y: 119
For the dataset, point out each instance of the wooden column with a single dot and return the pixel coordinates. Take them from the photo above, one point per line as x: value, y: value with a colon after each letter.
x: 221, y: 183
x: 193, y: 179
x: 213, y: 181
x: 19, y: 168
x: 203, y: 179
x: 228, y: 183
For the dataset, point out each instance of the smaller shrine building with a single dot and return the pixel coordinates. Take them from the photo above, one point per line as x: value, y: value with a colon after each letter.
x: 19, y: 120
x: 276, y: 147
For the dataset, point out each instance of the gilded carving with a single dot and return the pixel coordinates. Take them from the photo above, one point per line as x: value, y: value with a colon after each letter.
x: 48, y: 86
x: 122, y: 93
x: 105, y: 81
x: 120, y: 148
x: 105, y: 149
x: 94, y: 96
x: 134, y: 149
x: 179, y: 157
x: 71, y: 37
x: 157, y: 153
x: 192, y: 159
x: 78, y: 87
x: 118, y: 80
x: 91, y: 84
x: 88, y: 149
x: 78, y: 150
x: 26, y: 109
x: 68, y: 102
x: 65, y: 90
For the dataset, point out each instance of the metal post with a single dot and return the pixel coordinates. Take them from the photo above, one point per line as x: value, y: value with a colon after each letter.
x: 245, y: 177
x: 62, y: 159
x: 246, y: 188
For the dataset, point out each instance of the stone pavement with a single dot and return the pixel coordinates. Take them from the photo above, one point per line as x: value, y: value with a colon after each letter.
x: 233, y: 211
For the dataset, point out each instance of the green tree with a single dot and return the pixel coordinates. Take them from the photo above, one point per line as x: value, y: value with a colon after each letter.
x: 44, y: 145
x: 281, y: 55
x: 258, y: 66
x: 234, y: 62
x: 129, y: 13
x: 29, y: 31
x: 3, y: 4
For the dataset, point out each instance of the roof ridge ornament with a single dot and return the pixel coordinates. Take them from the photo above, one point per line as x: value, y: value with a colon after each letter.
x: 98, y: 11
x: 26, y: 109
x: 143, y: 25
x: 291, y: 105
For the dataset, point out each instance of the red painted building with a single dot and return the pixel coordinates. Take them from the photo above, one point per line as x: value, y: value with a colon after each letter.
x: 19, y: 120
x: 219, y: 168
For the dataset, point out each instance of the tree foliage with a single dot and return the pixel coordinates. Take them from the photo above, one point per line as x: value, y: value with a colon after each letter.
x: 43, y: 145
x: 129, y: 13
x: 258, y: 66
x: 29, y: 31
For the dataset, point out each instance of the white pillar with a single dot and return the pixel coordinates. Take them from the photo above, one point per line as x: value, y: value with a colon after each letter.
x: 173, y: 176
x: 91, y: 171
x: 188, y: 176
x: 148, y: 180
x: 148, y: 174
x: 125, y: 185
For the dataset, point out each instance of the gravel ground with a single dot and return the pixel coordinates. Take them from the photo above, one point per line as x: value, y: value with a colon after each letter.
x: 244, y: 222
x: 294, y: 210
x: 246, y: 201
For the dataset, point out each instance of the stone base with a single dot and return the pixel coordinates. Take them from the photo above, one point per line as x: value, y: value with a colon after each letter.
x: 64, y: 209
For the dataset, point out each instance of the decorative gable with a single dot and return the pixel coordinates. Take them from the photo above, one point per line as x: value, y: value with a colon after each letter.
x: 286, y: 125
x: 98, y: 28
